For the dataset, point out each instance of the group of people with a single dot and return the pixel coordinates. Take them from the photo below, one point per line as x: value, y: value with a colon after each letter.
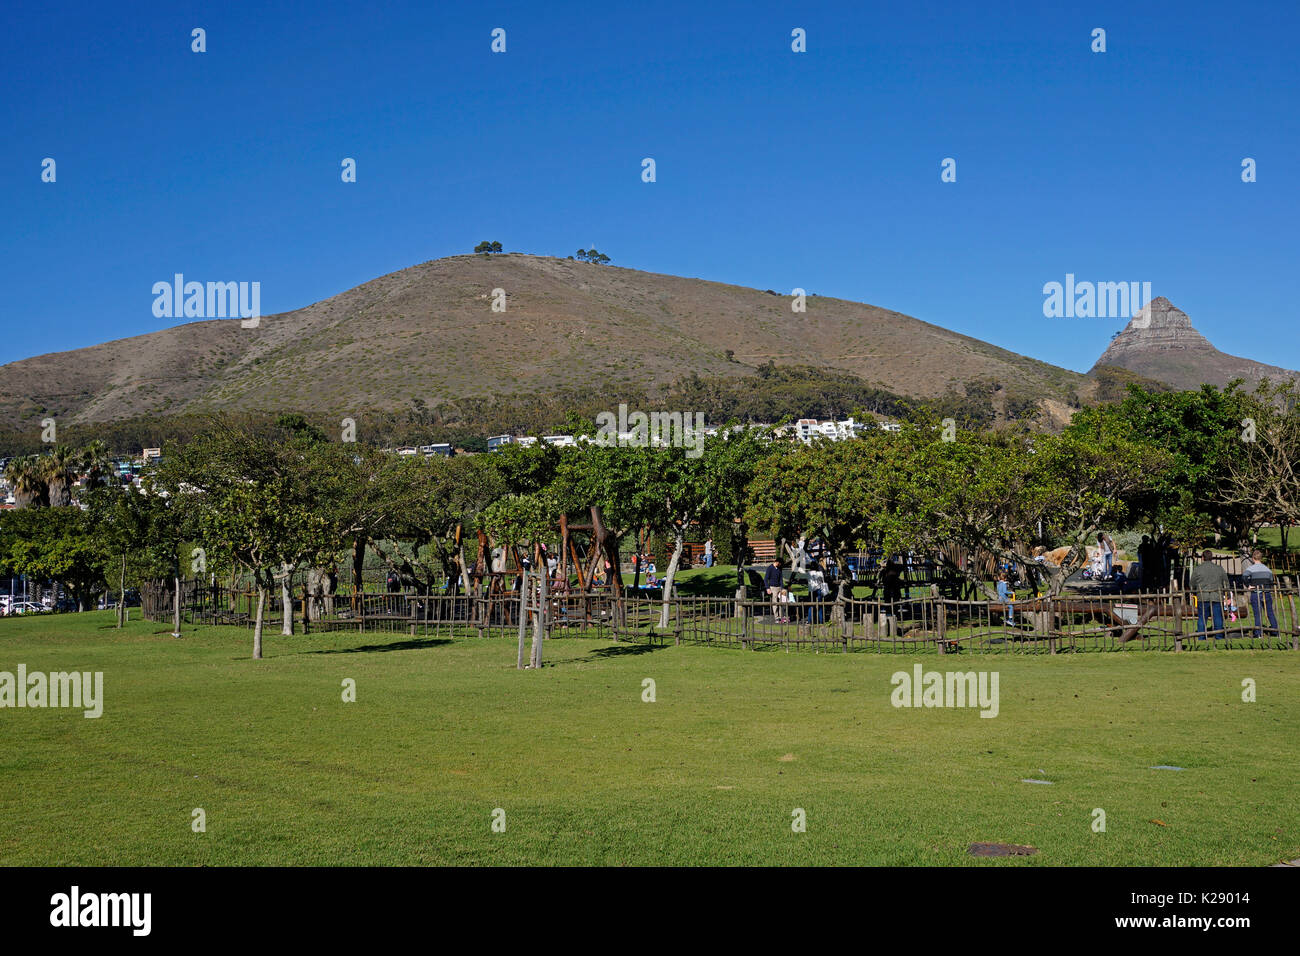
x: 782, y: 597
x: 1213, y: 590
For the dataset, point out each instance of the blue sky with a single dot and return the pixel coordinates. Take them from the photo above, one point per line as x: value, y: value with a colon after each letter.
x: 819, y: 170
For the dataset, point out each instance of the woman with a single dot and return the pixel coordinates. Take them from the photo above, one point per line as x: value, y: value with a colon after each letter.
x: 1107, y: 548
x: 818, y: 591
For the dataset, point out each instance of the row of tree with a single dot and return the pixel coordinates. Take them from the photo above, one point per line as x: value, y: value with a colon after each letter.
x: 1202, y: 465
x: 46, y: 480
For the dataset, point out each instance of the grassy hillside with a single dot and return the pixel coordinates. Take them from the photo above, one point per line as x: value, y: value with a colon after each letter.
x: 428, y: 333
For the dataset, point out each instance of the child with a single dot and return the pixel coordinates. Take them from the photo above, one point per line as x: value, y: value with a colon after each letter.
x: 1007, y: 597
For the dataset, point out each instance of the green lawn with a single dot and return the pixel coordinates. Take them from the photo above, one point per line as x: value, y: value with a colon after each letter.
x: 444, y: 732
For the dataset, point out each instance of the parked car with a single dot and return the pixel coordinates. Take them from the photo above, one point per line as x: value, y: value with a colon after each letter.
x: 27, y: 607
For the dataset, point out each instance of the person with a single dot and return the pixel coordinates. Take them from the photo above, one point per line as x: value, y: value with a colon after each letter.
x: 891, y: 581
x: 775, y: 587
x: 1106, y: 547
x: 1119, y: 578
x: 650, y: 579
x: 1148, y: 563
x: 1006, y: 596
x: 818, y: 591
x: 708, y: 553
x: 393, y: 583
x: 1168, y: 561
x: 1209, y: 581
x: 1258, y: 578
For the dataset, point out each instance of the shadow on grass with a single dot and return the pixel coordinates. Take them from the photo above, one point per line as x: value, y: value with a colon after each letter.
x: 618, y: 650
x: 413, y: 645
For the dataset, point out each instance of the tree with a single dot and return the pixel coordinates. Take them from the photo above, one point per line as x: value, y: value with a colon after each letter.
x: 130, y: 529
x: 56, y: 545
x: 487, y: 248
x: 59, y: 469
x: 26, y: 477
x: 1201, y: 432
x: 256, y: 499
x: 1263, y: 479
x: 441, y: 501
x: 979, y: 497
x: 832, y: 490
x: 96, y: 463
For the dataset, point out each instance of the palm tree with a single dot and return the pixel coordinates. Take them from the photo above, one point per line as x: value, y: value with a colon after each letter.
x: 24, y: 474
x: 96, y: 463
x: 60, y: 469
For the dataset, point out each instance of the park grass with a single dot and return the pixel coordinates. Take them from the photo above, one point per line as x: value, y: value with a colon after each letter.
x: 443, y: 732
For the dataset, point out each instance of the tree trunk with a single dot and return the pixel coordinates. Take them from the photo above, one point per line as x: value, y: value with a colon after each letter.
x: 358, y: 562
x: 176, y: 609
x: 121, y: 593
x: 673, y: 562
x: 257, y: 623
x: 286, y: 601
x: 539, y: 621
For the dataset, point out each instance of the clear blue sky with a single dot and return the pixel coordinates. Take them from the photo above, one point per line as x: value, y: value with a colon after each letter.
x: 775, y: 169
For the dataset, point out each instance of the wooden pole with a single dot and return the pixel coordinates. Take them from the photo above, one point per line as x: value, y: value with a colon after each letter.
x: 539, y: 621
x: 523, y: 617
x: 1178, y: 622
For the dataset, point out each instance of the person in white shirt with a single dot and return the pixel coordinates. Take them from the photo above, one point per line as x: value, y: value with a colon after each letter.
x: 818, y: 592
x: 1107, y: 547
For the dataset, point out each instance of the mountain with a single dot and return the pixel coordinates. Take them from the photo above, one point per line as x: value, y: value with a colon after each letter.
x: 1160, y: 343
x: 428, y: 333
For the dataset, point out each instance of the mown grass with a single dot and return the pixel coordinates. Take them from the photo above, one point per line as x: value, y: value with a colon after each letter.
x: 444, y: 732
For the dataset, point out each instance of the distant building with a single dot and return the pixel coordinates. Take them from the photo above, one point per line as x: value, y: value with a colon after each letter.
x: 443, y: 449
x: 497, y: 442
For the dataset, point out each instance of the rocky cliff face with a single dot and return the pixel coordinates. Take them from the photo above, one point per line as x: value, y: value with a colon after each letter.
x: 1160, y: 343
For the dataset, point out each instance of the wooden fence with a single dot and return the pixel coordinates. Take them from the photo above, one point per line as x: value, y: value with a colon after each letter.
x: 1069, y: 623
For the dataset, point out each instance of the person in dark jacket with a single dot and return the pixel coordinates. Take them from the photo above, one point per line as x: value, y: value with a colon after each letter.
x: 774, y: 584
x: 1209, y: 581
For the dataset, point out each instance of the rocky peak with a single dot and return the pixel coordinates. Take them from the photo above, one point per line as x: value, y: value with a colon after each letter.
x: 1158, y: 325
x: 1160, y: 343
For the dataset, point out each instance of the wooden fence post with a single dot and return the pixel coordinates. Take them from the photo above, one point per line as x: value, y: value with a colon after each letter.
x: 1178, y: 622
x: 539, y: 622
x: 523, y: 617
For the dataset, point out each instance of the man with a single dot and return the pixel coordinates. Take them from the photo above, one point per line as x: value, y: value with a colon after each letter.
x: 1147, y: 580
x: 1209, y: 581
x: 1259, y: 581
x: 775, y: 587
x: 708, y: 553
